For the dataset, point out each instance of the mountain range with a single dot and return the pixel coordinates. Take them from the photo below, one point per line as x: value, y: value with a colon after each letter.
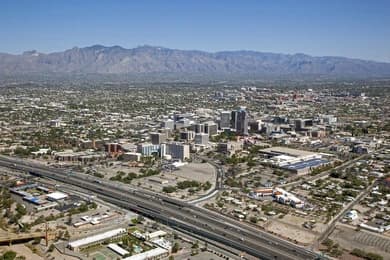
x: 98, y: 59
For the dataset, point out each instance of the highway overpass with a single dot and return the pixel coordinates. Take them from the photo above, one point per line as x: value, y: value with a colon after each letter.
x: 175, y: 213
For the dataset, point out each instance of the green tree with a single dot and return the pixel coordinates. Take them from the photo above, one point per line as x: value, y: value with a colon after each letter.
x: 253, y: 219
x: 175, y: 247
x: 21, y: 210
x: 51, y: 248
x: 373, y: 256
x: 169, y: 189
x: 195, y: 245
x: 9, y: 255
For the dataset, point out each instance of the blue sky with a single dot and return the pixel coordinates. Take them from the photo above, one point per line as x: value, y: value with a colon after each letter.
x: 351, y: 28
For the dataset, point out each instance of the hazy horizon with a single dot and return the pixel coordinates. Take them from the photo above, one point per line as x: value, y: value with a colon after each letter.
x: 191, y: 49
x: 333, y: 28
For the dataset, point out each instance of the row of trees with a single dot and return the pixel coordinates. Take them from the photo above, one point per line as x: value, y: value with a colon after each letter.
x: 366, y: 255
x: 122, y: 177
x: 193, y: 186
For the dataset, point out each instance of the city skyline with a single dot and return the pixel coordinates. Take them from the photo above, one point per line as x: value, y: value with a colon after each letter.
x: 197, y: 129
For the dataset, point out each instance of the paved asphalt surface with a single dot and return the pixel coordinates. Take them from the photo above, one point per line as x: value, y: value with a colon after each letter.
x: 177, y: 214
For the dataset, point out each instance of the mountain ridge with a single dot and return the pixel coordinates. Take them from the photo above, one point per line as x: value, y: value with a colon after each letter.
x: 99, y: 59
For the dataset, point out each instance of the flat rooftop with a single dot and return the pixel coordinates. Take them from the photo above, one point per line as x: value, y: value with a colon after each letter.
x: 277, y: 150
x: 97, y: 237
x: 305, y: 164
x: 57, y: 195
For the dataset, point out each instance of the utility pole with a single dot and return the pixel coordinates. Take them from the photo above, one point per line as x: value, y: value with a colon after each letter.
x: 47, y: 234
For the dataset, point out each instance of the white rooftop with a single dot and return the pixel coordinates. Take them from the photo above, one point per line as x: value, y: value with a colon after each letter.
x: 118, y: 249
x: 148, y: 254
x: 57, y: 195
x: 159, y: 233
x: 96, y: 238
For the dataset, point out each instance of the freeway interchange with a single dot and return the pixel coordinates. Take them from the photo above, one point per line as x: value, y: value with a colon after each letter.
x: 177, y: 214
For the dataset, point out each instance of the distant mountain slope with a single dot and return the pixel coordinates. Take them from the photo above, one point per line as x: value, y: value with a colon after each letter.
x: 146, y: 59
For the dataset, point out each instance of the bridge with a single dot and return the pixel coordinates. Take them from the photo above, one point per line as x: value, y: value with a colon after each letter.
x: 11, y: 238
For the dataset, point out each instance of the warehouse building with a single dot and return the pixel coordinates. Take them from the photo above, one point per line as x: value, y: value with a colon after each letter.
x: 294, y: 160
x: 133, y: 157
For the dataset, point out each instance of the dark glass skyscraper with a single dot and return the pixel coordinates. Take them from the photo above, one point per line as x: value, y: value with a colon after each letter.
x: 240, y: 121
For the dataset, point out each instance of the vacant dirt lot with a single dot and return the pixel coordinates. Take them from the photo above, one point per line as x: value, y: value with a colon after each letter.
x: 21, y: 250
x: 349, y: 238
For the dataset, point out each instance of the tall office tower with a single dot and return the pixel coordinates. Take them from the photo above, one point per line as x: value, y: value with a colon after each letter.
x: 233, y: 119
x: 224, y: 122
x: 177, y: 150
x: 187, y: 135
x: 148, y: 149
x: 201, y: 139
x: 211, y: 128
x: 240, y: 121
x: 301, y: 124
x: 112, y: 148
x: 182, y: 123
x: 199, y: 128
x: 255, y: 126
x: 158, y: 138
x: 169, y: 123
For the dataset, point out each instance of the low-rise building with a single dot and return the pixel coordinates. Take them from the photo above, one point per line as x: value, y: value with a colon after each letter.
x: 83, y: 156
x: 152, y: 254
x: 351, y: 215
x: 96, y: 239
x: 285, y: 197
x: 133, y: 157
x: 297, y: 161
x: 56, y: 196
x: 230, y: 148
x: 117, y: 249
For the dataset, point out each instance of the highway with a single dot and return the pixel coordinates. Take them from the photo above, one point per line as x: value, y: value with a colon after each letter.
x: 11, y: 237
x: 219, y: 179
x: 174, y: 213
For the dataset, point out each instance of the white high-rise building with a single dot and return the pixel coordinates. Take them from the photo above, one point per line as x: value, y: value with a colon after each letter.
x: 224, y: 122
x: 176, y: 150
x: 168, y: 124
x: 202, y: 139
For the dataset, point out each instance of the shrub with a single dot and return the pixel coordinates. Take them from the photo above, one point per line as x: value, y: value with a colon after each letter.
x: 175, y: 247
x: 169, y: 189
x: 9, y: 255
x: 369, y: 256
